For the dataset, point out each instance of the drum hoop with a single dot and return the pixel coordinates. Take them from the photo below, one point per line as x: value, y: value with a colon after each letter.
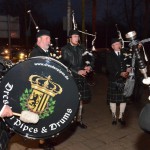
x: 55, y: 60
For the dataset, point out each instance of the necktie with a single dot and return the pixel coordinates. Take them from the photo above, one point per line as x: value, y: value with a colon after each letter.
x: 118, y: 53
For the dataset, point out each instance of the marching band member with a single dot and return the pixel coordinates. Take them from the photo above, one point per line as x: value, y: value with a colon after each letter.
x: 72, y: 58
x: 118, y: 72
x: 41, y: 49
x: 42, y: 45
x: 5, y: 111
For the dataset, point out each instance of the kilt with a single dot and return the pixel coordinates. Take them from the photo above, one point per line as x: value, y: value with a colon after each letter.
x: 115, y: 95
x: 83, y: 87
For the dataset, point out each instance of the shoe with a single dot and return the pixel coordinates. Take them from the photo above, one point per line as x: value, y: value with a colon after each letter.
x: 122, y: 121
x: 114, y: 121
x: 81, y: 125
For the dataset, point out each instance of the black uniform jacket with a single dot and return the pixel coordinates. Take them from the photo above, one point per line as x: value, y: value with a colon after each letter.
x: 72, y: 57
x: 115, y: 65
x: 37, y: 51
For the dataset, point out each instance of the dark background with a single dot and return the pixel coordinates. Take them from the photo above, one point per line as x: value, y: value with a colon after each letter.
x: 129, y: 15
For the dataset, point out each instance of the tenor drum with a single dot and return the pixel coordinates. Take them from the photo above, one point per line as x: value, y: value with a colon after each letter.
x: 45, y: 86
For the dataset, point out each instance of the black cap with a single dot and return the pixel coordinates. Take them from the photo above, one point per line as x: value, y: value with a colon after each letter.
x: 73, y: 32
x: 114, y: 40
x: 42, y: 32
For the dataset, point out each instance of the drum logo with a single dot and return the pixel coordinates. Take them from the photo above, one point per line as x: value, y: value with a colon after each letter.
x: 41, y: 95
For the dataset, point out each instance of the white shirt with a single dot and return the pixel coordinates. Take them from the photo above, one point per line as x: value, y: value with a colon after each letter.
x: 45, y: 50
x: 117, y: 53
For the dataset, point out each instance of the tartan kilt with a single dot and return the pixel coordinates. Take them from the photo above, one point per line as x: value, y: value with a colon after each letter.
x: 83, y: 87
x: 4, y: 136
x: 115, y: 95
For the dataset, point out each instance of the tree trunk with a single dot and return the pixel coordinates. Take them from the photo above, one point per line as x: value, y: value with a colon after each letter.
x: 83, y: 21
x: 146, y: 18
x: 93, y: 16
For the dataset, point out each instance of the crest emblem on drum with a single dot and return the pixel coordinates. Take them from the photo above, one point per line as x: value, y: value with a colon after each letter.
x: 43, y: 90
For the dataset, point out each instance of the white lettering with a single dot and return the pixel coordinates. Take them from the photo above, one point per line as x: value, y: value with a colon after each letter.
x: 53, y: 126
x: 25, y: 127
x: 30, y: 129
x: 5, y: 102
x: 69, y: 111
x: 17, y: 123
x: 8, y: 87
x: 53, y: 67
x: 44, y: 130
x: 66, y: 116
x: 5, y: 96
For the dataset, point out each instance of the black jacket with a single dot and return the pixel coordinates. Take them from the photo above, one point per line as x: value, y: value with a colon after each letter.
x: 73, y: 59
x: 115, y: 65
x: 37, y: 51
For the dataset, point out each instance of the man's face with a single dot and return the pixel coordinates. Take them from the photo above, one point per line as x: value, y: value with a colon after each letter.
x: 74, y: 40
x: 44, y: 41
x: 116, y: 46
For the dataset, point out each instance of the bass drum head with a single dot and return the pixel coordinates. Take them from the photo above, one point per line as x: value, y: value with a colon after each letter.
x: 45, y: 86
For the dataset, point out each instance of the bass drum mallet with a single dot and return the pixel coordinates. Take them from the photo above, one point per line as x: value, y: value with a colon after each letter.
x: 28, y: 116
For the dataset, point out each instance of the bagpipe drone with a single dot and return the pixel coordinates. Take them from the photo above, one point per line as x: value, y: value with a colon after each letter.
x: 144, y: 117
x: 54, y: 50
x: 88, y: 54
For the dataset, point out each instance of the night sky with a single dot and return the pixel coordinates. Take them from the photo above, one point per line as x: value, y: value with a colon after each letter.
x: 127, y: 14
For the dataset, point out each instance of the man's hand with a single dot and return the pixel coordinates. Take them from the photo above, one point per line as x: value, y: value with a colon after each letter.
x: 6, y: 112
x: 82, y: 73
x: 124, y: 74
x: 129, y: 69
x: 87, y: 68
x: 140, y: 45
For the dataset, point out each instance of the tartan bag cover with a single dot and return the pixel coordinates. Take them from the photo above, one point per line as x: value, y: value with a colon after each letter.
x: 129, y: 86
x: 130, y: 81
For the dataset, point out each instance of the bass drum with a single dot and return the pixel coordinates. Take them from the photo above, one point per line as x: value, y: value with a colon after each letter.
x: 45, y: 86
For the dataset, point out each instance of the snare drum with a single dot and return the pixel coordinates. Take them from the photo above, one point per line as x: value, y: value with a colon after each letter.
x: 45, y: 86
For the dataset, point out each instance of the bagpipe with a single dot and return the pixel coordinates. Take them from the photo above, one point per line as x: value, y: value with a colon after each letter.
x: 88, y: 55
x: 120, y: 37
x: 144, y: 117
x: 135, y: 46
x: 54, y: 50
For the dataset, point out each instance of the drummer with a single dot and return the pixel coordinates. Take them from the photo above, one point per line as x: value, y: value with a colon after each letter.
x: 43, y: 42
x: 5, y: 110
x: 41, y: 48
